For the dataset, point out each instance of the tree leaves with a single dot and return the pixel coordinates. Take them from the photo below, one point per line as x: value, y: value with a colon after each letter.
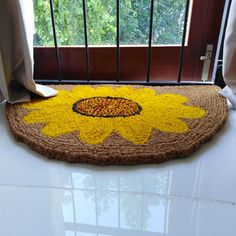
x: 101, y: 18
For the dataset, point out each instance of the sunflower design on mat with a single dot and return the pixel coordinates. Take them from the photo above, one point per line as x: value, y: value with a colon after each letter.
x: 97, y: 112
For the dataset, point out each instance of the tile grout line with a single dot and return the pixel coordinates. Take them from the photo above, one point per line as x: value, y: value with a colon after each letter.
x: 160, y: 195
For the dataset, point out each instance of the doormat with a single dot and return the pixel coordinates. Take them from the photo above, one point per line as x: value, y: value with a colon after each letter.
x: 119, y: 125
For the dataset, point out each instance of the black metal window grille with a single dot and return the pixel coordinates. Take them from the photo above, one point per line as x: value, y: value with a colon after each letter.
x: 117, y: 77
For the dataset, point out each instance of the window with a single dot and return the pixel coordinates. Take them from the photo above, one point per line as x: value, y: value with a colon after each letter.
x: 134, y: 22
x: 168, y: 19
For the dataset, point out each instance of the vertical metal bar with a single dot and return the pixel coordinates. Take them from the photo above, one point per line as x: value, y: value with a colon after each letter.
x: 86, y: 41
x: 55, y: 41
x: 150, y: 41
x: 117, y: 40
x: 183, y: 41
x: 218, y: 58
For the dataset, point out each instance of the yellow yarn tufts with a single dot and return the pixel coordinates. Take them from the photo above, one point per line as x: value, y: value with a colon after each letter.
x: 97, y: 112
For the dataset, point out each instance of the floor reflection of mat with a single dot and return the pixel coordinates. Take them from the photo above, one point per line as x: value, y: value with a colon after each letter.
x: 126, y: 125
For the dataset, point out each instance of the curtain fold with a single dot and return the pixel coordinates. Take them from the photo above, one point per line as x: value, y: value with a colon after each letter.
x: 16, y: 52
x: 229, y: 57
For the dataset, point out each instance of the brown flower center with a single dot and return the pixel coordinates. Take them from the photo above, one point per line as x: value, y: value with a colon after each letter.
x: 107, y: 107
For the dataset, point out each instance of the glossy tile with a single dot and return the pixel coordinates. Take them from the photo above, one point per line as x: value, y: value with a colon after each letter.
x: 37, y: 211
x: 21, y: 166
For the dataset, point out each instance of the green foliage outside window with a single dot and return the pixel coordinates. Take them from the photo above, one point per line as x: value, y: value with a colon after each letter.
x: 101, y: 17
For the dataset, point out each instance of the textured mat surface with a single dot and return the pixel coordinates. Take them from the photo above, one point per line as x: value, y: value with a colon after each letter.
x: 126, y: 125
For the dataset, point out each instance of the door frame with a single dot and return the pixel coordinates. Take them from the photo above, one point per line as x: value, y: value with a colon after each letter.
x: 205, y: 15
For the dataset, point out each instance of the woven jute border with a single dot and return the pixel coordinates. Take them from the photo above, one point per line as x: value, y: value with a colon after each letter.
x: 115, y: 150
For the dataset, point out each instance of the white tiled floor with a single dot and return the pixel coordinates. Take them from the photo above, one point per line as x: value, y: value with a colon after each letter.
x: 191, y: 197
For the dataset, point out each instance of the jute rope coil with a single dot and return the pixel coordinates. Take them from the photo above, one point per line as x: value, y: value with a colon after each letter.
x: 115, y: 149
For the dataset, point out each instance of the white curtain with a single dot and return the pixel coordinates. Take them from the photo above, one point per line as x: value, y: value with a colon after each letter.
x: 16, y: 52
x: 229, y: 57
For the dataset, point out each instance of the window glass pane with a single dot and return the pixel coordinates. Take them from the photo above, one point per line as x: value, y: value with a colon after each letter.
x: 168, y: 21
x: 134, y: 21
x: 43, y: 26
x: 101, y: 21
x: 69, y: 22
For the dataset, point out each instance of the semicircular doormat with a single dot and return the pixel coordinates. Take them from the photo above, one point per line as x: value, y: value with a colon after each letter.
x: 127, y: 125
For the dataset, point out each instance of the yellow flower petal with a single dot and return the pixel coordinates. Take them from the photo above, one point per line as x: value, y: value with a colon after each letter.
x: 104, y: 91
x: 95, y: 131
x: 172, y: 99
x: 172, y: 125
x: 134, y: 129
x: 83, y: 91
x: 34, y: 117
x: 163, y: 112
x: 54, y: 129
